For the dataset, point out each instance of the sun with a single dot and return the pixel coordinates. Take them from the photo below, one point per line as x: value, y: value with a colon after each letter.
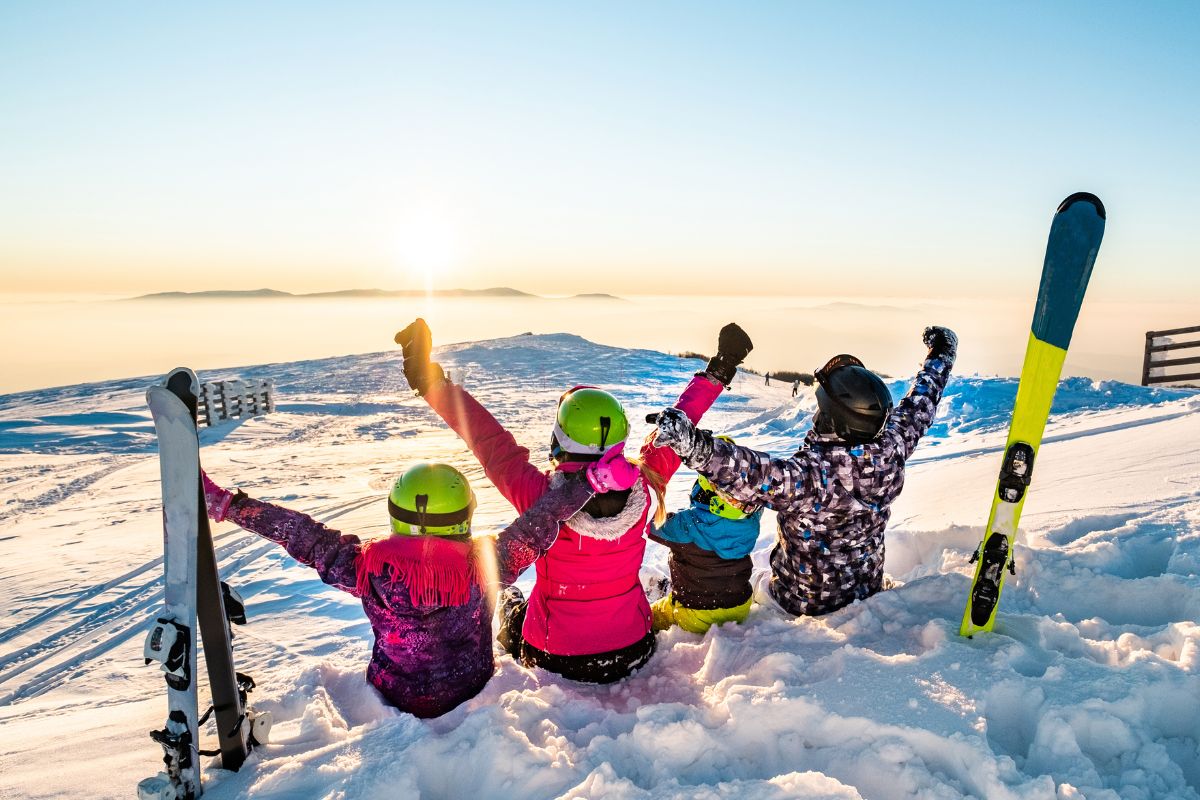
x: 429, y: 247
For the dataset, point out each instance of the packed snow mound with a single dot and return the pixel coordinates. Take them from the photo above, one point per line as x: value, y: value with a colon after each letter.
x: 1089, y: 687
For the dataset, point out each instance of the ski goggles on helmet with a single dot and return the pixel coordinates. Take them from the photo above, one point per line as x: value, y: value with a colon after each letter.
x: 721, y: 505
x: 422, y: 517
x: 834, y: 364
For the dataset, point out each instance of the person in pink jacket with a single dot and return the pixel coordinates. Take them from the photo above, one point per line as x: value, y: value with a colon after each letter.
x: 587, y: 617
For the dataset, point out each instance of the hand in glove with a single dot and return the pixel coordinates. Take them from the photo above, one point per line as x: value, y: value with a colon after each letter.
x: 612, y: 473
x: 942, y: 343
x: 733, y: 345
x: 217, y: 499
x: 677, y: 432
x: 416, y: 342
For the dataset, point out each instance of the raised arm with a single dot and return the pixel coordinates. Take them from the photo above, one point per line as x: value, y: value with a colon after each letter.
x: 311, y: 543
x: 913, y: 415
x: 531, y: 534
x: 697, y: 398
x: 505, y: 462
x: 733, y: 345
x: 746, y: 475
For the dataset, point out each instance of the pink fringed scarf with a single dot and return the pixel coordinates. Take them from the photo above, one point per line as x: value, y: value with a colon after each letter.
x: 436, y: 571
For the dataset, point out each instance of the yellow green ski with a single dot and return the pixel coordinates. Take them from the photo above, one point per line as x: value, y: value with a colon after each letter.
x: 1075, y: 236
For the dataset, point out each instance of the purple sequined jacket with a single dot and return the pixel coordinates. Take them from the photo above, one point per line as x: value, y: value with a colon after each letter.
x: 427, y: 659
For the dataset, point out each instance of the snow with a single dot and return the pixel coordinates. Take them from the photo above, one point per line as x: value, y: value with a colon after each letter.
x: 1088, y: 687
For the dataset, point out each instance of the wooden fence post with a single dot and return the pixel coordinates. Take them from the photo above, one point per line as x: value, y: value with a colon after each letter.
x: 1146, y: 359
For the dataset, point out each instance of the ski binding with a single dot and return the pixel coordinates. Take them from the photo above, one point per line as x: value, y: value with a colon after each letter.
x: 987, y: 588
x: 167, y: 643
x: 1016, y: 473
x: 179, y: 780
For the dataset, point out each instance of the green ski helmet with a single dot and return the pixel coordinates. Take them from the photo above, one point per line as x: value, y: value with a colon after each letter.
x: 718, y: 503
x: 431, y: 499
x: 589, y: 422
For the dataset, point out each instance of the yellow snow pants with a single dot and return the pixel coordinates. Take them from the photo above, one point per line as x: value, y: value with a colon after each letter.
x: 666, y: 612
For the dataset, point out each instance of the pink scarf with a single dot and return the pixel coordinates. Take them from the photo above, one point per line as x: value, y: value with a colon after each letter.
x: 436, y: 571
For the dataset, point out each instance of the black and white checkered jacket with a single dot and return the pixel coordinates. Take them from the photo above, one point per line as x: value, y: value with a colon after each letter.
x: 833, y: 500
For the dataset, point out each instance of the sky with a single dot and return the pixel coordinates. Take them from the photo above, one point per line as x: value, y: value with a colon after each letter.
x: 884, y: 149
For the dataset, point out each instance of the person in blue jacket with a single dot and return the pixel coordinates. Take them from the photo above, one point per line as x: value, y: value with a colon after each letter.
x: 710, y: 543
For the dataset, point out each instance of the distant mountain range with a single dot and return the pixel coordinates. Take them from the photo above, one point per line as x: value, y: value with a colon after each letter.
x: 275, y: 294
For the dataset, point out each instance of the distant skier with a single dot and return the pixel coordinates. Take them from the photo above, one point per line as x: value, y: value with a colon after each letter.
x: 834, y: 495
x: 710, y: 543
x: 795, y: 387
x: 423, y: 588
x: 768, y: 379
x: 587, y: 617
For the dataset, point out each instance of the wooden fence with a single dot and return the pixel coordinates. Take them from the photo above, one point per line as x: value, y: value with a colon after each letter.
x: 1156, y: 368
x: 225, y: 400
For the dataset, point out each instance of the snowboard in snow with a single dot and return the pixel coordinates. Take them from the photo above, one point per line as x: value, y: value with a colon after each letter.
x: 1075, y: 236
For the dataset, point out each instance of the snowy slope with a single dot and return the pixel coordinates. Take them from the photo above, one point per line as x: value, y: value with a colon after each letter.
x: 1088, y: 688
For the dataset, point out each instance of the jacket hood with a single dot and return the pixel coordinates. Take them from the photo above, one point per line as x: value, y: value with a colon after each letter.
x: 728, y: 538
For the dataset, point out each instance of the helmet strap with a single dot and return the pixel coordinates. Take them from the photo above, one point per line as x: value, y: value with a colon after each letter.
x: 422, y: 518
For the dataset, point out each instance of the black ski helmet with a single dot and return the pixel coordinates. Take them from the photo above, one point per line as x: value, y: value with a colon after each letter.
x: 854, y: 401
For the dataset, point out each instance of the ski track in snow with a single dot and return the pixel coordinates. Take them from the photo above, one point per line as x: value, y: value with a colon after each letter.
x: 1089, y: 686
x: 113, y: 620
x: 62, y: 486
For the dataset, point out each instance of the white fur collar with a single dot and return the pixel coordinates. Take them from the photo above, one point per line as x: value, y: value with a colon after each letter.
x: 609, y: 529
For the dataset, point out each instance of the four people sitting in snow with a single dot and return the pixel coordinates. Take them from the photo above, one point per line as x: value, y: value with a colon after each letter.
x: 428, y: 589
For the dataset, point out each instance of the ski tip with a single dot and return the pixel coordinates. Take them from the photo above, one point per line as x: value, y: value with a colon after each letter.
x: 1083, y: 197
x: 183, y: 378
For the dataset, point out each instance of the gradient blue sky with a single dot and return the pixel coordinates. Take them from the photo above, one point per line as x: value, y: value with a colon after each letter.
x: 836, y: 148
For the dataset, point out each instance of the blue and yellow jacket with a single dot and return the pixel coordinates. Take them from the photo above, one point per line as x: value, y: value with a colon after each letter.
x: 710, y: 557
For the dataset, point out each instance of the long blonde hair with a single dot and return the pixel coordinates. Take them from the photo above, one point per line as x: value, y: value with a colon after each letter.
x: 657, y: 484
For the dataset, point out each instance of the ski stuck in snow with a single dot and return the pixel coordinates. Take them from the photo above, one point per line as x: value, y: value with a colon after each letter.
x: 193, y: 593
x: 1075, y: 236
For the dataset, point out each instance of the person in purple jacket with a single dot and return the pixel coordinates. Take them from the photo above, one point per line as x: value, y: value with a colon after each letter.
x: 424, y: 588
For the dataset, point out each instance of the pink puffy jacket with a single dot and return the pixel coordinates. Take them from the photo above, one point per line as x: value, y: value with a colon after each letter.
x: 587, y: 598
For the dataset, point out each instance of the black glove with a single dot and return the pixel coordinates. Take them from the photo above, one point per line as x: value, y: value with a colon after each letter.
x: 942, y: 343
x: 416, y: 342
x: 733, y: 345
x: 677, y: 432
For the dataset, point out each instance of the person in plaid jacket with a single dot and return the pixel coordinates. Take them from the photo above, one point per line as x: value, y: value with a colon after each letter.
x: 834, y: 495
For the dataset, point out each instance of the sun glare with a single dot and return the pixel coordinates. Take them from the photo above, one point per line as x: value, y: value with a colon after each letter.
x: 429, y: 248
